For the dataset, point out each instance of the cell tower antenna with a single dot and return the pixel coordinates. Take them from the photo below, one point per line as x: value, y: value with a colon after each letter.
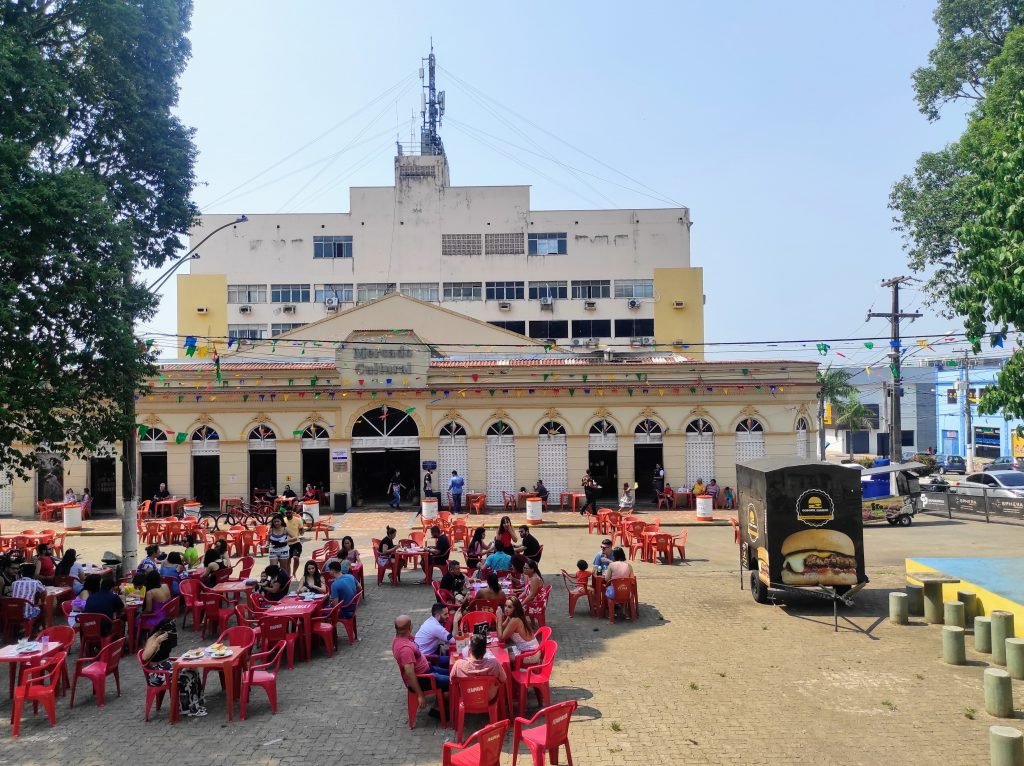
x: 433, y: 108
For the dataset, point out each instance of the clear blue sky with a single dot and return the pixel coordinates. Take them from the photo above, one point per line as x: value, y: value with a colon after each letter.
x: 782, y: 126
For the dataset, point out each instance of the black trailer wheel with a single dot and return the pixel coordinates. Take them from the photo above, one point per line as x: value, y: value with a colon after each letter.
x: 905, y: 521
x: 891, y: 520
x: 757, y: 588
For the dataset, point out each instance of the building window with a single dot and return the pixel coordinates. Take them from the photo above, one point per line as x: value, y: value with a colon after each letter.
x: 950, y: 396
x: 589, y: 289
x: 634, y: 288
x: 289, y: 293
x: 461, y: 244
x: 277, y: 329
x: 503, y: 244
x: 343, y: 293
x: 591, y: 328
x: 548, y: 244
x: 549, y: 329
x: 247, y: 293
x: 332, y: 247
x: 247, y: 331
x: 371, y: 291
x: 462, y: 291
x: 540, y: 290
x: 505, y: 291
x: 422, y: 291
x: 633, y: 328
x: 519, y: 327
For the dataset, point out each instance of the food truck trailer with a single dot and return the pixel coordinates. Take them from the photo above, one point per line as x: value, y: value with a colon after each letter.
x: 801, y: 528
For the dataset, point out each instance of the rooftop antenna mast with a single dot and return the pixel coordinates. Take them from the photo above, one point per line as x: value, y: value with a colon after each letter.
x: 432, y: 108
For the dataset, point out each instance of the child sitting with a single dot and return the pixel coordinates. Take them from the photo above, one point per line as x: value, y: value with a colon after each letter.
x: 582, y: 576
x: 728, y: 501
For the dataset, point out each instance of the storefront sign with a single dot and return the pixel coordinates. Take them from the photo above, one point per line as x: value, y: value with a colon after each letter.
x: 383, y: 365
x: 339, y: 455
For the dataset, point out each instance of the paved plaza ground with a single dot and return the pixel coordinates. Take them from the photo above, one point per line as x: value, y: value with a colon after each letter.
x: 705, y: 676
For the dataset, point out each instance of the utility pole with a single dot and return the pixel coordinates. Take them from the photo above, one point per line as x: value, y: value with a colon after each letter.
x: 967, y: 413
x: 894, y: 317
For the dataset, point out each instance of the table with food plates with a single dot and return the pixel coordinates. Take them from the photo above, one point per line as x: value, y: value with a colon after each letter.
x: 300, y: 608
x: 53, y: 596
x: 170, y: 507
x: 496, y: 650
x: 411, y: 552
x: 223, y: 659
x: 478, y: 585
x: 25, y: 652
x: 91, y: 569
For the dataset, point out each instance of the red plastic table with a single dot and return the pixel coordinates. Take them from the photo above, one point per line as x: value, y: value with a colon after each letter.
x: 293, y: 606
x: 225, y: 665
x: 10, y: 655
x: 501, y: 655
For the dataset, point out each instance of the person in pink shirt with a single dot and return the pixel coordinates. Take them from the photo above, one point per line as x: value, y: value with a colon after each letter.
x: 413, y: 663
x: 478, y: 664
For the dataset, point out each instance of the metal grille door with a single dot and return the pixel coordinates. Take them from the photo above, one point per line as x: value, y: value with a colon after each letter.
x: 452, y: 455
x: 801, y: 444
x: 501, y: 467
x: 700, y: 457
x: 6, y: 499
x: 553, y: 463
x: 749, y: 446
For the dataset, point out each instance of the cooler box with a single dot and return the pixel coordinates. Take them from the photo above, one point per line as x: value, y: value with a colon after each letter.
x: 705, y: 508
x: 312, y: 507
x: 73, y: 517
x: 534, y: 510
x: 429, y: 507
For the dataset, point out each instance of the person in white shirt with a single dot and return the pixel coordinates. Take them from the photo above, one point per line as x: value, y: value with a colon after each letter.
x: 70, y: 497
x: 30, y: 589
x: 433, y: 632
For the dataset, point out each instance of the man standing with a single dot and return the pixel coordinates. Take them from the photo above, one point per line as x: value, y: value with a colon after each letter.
x: 590, y: 488
x: 293, y: 523
x: 345, y: 586
x: 412, y: 663
x: 428, y: 484
x: 395, y: 490
x: 455, y: 485
x: 433, y: 633
x: 659, y: 479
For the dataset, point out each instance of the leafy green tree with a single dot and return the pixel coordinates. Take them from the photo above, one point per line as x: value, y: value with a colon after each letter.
x: 96, y: 176
x: 833, y: 387
x: 855, y: 416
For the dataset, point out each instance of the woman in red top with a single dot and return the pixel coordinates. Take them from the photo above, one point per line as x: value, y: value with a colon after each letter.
x: 507, y: 535
x: 45, y: 565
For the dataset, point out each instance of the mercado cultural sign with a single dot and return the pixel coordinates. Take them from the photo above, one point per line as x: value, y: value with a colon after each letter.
x: 376, y: 362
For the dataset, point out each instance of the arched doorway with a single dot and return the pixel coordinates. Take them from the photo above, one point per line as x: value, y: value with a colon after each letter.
x: 700, y: 451
x: 501, y: 461
x: 603, y: 457
x: 263, y: 460
x: 553, y: 457
x: 205, y: 466
x: 749, y: 440
x: 316, y: 458
x: 647, y: 453
x: 801, y: 437
x: 153, y: 463
x: 452, y: 455
x: 102, y: 482
x: 384, y: 440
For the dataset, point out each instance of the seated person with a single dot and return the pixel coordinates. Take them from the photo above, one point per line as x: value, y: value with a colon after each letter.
x: 270, y: 495
x: 499, y: 561
x: 345, y: 586
x: 45, y: 565
x: 214, y: 560
x: 454, y: 581
x: 441, y: 548
x: 479, y: 665
x: 312, y: 580
x: 413, y: 663
x: 530, y: 545
x: 604, y: 556
x: 712, y: 489
x: 274, y: 584
x: 29, y: 588
x: 492, y: 591
x: 698, y: 488
x: 173, y: 566
x: 162, y: 493
x: 309, y: 493
x: 540, y: 490
x: 288, y: 491
x: 728, y: 499
x: 152, y: 560
x: 105, y: 602
x: 433, y: 634
x: 582, y: 577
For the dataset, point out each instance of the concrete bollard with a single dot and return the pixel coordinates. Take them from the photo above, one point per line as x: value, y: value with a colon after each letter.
x: 1006, y: 745
x: 970, y: 601
x: 998, y: 693
x: 1002, y: 629
x: 1015, y: 658
x: 899, y: 606
x: 915, y: 597
x: 953, y: 614
x: 983, y: 635
x: 953, y: 650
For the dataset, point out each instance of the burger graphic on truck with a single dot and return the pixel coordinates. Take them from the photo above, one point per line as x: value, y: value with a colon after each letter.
x: 819, y: 557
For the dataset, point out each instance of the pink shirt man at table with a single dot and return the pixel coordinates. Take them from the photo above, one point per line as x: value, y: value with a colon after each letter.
x: 479, y: 665
x: 412, y: 663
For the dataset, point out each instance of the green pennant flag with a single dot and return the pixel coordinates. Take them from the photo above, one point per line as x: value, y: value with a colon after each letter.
x: 893, y: 369
x: 869, y: 345
x: 547, y: 375
x: 181, y: 398
x: 245, y: 397
x: 180, y: 437
x: 190, y: 350
x: 639, y: 376
x: 410, y: 410
x: 629, y: 391
x: 951, y: 362
x: 973, y: 339
x: 291, y: 381
x: 297, y: 432
x: 143, y: 430
x: 547, y: 347
x: 149, y: 343
x: 490, y: 391
x: 572, y: 391
x: 584, y: 378
x: 373, y: 395
x: 693, y: 390
x: 313, y: 381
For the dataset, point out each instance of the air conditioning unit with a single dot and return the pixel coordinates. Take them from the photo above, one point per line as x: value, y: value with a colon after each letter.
x: 547, y: 303
x: 648, y: 341
x: 679, y: 304
x: 331, y: 302
x: 202, y: 310
x: 633, y: 303
x: 636, y: 341
x: 288, y: 309
x: 577, y: 341
x: 245, y: 309
x: 592, y: 342
x: 505, y: 306
x: 590, y: 305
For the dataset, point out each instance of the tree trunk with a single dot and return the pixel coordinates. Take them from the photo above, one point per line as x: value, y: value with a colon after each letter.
x: 821, y: 429
x: 849, y: 435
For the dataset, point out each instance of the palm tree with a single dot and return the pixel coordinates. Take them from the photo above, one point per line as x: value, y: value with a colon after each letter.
x: 855, y: 416
x: 833, y: 387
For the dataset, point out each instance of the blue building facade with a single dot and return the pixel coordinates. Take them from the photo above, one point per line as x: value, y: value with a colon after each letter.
x: 993, y: 434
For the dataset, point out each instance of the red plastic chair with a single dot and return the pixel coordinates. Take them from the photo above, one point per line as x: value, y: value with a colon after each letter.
x: 323, y: 525
x: 106, y: 663
x: 433, y: 690
x: 246, y: 563
x: 90, y: 632
x: 168, y: 610
x: 624, y: 593
x: 262, y: 672
x: 325, y: 628
x: 679, y: 542
x: 469, y: 619
x: 473, y: 695
x: 190, y: 590
x: 243, y: 637
x: 477, y: 504
x: 574, y: 591
x: 249, y: 618
x: 12, y: 614
x: 551, y: 734
x: 40, y: 684
x: 64, y: 637
x: 661, y: 544
x: 154, y: 693
x: 536, y: 677
x: 482, y: 749
x: 215, y: 616
x: 273, y: 629
x: 349, y: 623
x: 392, y: 565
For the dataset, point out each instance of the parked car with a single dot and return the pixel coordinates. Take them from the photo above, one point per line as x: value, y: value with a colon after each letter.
x: 950, y: 464
x: 1005, y: 463
x: 994, y: 483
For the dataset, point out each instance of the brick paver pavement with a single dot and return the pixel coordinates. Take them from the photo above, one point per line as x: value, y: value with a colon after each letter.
x: 706, y: 676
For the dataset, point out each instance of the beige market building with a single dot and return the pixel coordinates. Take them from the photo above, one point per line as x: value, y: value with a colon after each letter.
x: 387, y: 385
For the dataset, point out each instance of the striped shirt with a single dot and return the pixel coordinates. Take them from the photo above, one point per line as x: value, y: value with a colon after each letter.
x: 27, y: 588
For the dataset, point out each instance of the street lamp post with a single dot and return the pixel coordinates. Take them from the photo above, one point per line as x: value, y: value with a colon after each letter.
x: 129, y: 486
